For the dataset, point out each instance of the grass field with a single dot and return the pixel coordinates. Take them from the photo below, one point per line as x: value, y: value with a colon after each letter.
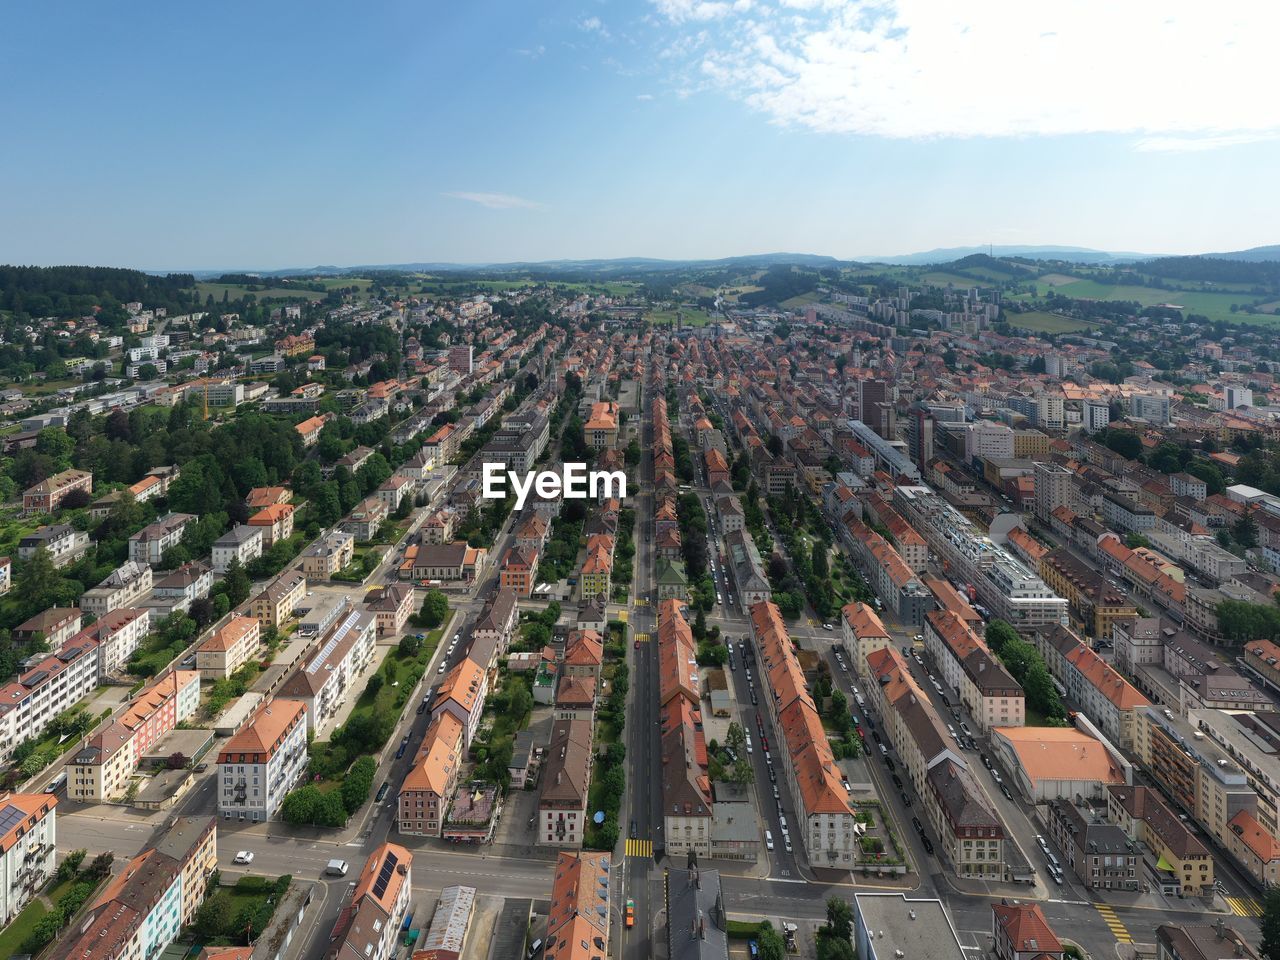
x: 690, y: 317
x: 1041, y: 322
x: 941, y: 278
x: 1215, y: 306
x: 1056, y: 279
x: 235, y: 291
x: 803, y: 300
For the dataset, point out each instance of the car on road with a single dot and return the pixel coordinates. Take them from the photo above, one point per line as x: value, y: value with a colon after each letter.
x: 782, y: 821
x: 404, y: 745
x: 1044, y: 844
x: 986, y: 761
x: 382, y: 792
x: 768, y: 840
x: 918, y: 638
x: 915, y: 822
x: 634, y: 829
x: 201, y: 767
x: 888, y: 762
x: 906, y: 799
x: 776, y: 795
x: 965, y: 727
x: 442, y: 666
x: 422, y: 707
x: 897, y: 781
x: 773, y: 777
x: 754, y: 700
x: 827, y: 626
x: 1005, y: 790
x: 928, y: 844
x: 748, y: 743
x: 244, y: 856
x: 786, y: 842
x: 637, y: 644
x: 631, y: 913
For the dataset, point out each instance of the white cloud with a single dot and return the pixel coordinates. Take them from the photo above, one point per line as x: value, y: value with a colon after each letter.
x: 594, y: 25
x: 1182, y: 74
x: 532, y: 53
x: 644, y: 96
x: 495, y: 201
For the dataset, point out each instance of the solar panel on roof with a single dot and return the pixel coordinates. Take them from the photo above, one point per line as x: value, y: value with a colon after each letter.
x: 333, y: 641
x: 384, y: 876
x: 10, y: 816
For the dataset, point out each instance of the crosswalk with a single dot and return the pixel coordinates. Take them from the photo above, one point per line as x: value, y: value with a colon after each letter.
x: 639, y: 848
x: 1244, y: 906
x: 1117, y: 927
x: 642, y: 638
x: 642, y: 601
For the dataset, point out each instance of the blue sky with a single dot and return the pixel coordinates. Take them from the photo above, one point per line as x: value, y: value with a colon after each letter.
x: 288, y: 134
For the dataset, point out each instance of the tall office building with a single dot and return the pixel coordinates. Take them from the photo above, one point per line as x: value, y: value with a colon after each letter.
x: 1053, y: 489
x: 1238, y: 397
x: 461, y: 360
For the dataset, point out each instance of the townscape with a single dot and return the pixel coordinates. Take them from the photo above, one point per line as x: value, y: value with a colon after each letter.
x: 936, y: 618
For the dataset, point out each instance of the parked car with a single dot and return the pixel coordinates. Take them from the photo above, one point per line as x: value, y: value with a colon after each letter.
x: 768, y: 840
x: 928, y: 844
x: 1044, y: 845
x: 244, y: 856
x: 404, y: 745
x: 827, y: 626
x: 906, y: 799
x: 634, y: 829
x: 382, y: 792
x: 915, y: 822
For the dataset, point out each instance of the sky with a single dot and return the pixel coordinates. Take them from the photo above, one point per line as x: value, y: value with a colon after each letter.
x: 295, y: 134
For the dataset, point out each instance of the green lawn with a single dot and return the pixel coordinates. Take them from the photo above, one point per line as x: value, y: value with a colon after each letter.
x: 1215, y: 306
x: 803, y: 300
x: 1041, y: 322
x: 235, y: 291
x: 18, y: 931
x: 690, y: 317
x: 942, y: 278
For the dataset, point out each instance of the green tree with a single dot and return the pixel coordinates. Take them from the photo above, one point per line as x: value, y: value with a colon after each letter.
x: 237, y: 583
x: 435, y: 607
x: 212, y: 917
x: 1269, y: 947
x: 840, y: 918
x: 358, y: 783
x: 769, y: 943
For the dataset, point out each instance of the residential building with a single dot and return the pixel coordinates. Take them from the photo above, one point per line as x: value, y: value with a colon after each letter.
x: 103, y: 768
x: 229, y: 648
x: 276, y: 523
x: 566, y: 778
x: 48, y: 494
x: 366, y: 519
x: 126, y: 586
x: 64, y: 543
x: 578, y: 919
x: 1255, y: 847
x: 519, y: 568
x: 28, y: 848
x: 1109, y: 700
x: 429, y: 784
x: 54, y: 626
x: 462, y: 693
x: 263, y: 761
x: 449, y: 562
x: 497, y: 620
x: 392, y: 606
x: 863, y: 633
x: 325, y: 557
x: 992, y: 697
x: 55, y: 683
x: 118, y: 635
x: 309, y: 430
x: 325, y: 679
x: 1053, y: 489
x: 1202, y: 941
x: 277, y: 603
x: 6, y: 575
x: 241, y: 543
x: 143, y: 908
x: 1183, y: 864
x: 583, y: 654
x: 1019, y: 931
x: 368, y: 927
x: 1099, y: 854
x: 697, y: 924
x: 601, y: 427
x: 149, y: 544
x: 1094, y: 602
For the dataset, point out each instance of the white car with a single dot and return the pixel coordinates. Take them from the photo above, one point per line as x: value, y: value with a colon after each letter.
x: 827, y: 626
x: 244, y: 856
x: 768, y: 840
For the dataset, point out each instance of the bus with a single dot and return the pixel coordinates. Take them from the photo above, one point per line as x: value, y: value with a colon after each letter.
x: 57, y: 783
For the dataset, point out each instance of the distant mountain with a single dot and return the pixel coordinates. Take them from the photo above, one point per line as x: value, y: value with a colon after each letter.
x: 1252, y: 255
x: 1046, y: 252
x: 629, y: 264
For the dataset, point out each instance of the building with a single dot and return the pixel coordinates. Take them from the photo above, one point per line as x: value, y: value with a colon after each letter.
x: 180, y: 589
x: 601, y: 427
x: 462, y: 694
x: 47, y: 495
x: 992, y: 697
x: 325, y: 679
x: 1110, y: 701
x: 230, y: 647
x: 263, y: 761
x: 1019, y: 931
x: 1053, y: 489
x: 126, y: 586
x: 1183, y: 865
x: 118, y: 635
x: 144, y: 907
x: 241, y: 543
x: 1099, y: 853
x: 368, y: 927
x: 54, y: 626
x: 28, y: 848
x: 1202, y: 941
x: 64, y: 543
x: 48, y: 687
x: 863, y: 633
x: 578, y: 919
x: 1255, y: 847
x: 276, y: 523
x: 697, y: 924
x: 324, y: 558
x: 519, y: 568
x: 392, y: 606
x: 1050, y: 762
x: 566, y: 778
x: 149, y: 544
x: 309, y: 430
x: 1151, y: 407
x: 431, y: 780
x: 891, y: 926
x: 277, y: 603
x: 447, y: 936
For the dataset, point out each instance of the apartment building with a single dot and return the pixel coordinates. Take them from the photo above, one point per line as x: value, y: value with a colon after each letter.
x: 428, y: 786
x: 180, y: 589
x: 309, y: 430
x: 686, y: 787
x: 366, y: 519
x: 519, y: 569
x: 368, y: 927
x: 992, y: 697
x: 863, y: 634
x: 263, y: 761
x: 497, y: 621
x: 325, y: 679
x: 1008, y: 588
x: 149, y: 544
x: 1108, y: 699
x: 825, y: 821
x: 126, y: 586
x: 28, y: 848
x: 391, y: 605
x: 50, y: 686
x: 242, y: 543
x: 1020, y: 931
x: 579, y: 917
x: 583, y: 654
x: 64, y: 543
x: 597, y: 567
x: 462, y: 694
x: 277, y: 603
x: 324, y: 558
x: 888, y: 574
x: 118, y: 635
x: 566, y: 779
x: 276, y: 523
x: 1183, y: 865
x: 102, y: 768
x: 230, y: 647
x: 142, y: 909
x: 48, y: 494
x: 1095, y: 604
x: 55, y: 626
x: 1099, y: 854
x: 1255, y: 848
